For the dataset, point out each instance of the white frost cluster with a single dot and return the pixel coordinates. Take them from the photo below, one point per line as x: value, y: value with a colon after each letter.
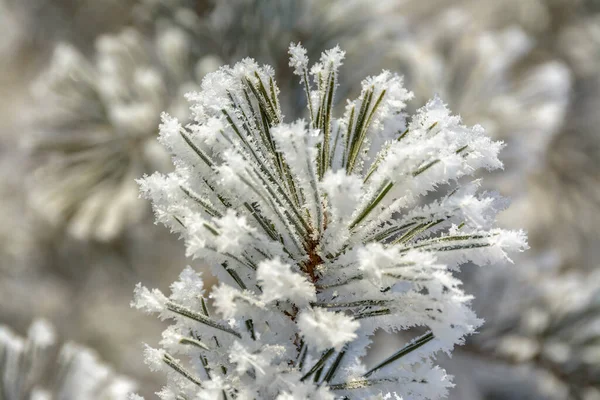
x: 320, y: 232
x: 30, y: 368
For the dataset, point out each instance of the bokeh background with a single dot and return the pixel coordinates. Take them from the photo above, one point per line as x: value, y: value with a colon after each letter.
x: 82, y: 86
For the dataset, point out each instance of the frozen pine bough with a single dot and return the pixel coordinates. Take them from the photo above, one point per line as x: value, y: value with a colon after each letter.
x: 31, y: 368
x: 554, y: 340
x: 320, y: 233
x: 96, y: 126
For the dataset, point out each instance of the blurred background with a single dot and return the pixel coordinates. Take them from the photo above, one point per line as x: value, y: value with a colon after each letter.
x: 82, y: 86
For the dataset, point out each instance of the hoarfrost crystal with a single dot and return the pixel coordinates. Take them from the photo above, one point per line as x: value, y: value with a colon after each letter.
x: 321, y: 232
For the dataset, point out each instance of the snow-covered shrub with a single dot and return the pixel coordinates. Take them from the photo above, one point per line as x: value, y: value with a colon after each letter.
x: 320, y: 232
x: 31, y: 368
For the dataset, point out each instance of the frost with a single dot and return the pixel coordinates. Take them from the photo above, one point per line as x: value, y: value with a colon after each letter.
x: 279, y: 282
x: 298, y: 59
x: 150, y: 301
x: 323, y: 329
x: 320, y: 232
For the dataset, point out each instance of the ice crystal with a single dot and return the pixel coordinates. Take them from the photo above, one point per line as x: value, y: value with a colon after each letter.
x: 28, y: 369
x: 320, y: 232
